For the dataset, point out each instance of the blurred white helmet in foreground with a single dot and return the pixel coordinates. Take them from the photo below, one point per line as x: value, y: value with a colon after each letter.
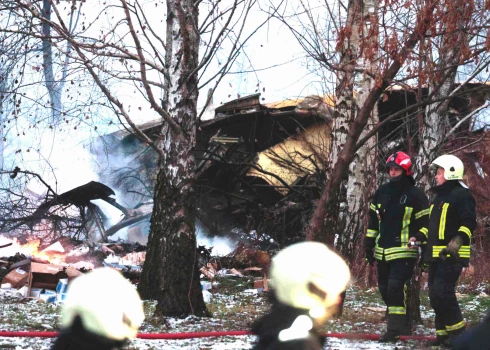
x: 107, y: 303
x: 309, y: 276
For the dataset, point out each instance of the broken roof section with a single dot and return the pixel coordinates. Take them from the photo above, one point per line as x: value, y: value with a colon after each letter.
x: 278, y: 117
x: 301, y: 154
x: 283, y: 140
x: 286, y: 140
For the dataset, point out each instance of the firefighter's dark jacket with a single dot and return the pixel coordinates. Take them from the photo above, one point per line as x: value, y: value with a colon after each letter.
x: 451, y: 213
x: 280, y: 318
x: 399, y: 210
x: 76, y: 337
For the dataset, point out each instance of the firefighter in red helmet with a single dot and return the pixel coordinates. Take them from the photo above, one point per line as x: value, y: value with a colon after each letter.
x: 398, y: 211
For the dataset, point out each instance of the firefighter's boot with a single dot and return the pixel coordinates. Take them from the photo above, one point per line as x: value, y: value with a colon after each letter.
x: 396, y: 324
x: 389, y: 337
x: 440, y: 341
x: 453, y: 336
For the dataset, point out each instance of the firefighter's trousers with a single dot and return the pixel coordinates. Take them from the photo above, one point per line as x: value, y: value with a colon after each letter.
x: 392, y: 280
x: 442, y: 283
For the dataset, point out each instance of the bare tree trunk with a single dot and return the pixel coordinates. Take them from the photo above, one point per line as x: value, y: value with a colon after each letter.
x: 352, y: 91
x: 170, y: 273
x: 3, y: 88
x: 361, y: 18
x: 54, y: 89
x: 362, y: 170
x: 345, y: 111
x: 453, y: 47
x: 168, y: 58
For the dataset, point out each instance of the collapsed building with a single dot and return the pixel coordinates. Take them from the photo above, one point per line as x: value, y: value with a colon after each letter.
x: 261, y: 166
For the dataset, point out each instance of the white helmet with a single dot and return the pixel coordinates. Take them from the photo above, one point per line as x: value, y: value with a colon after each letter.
x: 308, y: 275
x: 107, y: 303
x: 452, y: 165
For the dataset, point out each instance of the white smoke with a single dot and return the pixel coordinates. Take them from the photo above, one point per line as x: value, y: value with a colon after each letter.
x: 221, y: 245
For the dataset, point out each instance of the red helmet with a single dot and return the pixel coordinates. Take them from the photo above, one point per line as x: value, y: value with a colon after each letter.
x: 401, y: 160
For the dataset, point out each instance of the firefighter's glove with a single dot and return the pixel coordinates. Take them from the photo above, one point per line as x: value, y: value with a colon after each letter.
x: 413, y: 243
x: 369, y: 244
x: 452, y: 248
x: 370, y: 258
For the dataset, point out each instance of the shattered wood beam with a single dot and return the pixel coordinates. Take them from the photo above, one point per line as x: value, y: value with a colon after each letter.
x: 114, y: 203
x: 126, y: 222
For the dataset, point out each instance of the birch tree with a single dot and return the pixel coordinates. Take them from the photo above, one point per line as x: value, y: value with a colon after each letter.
x: 351, y: 54
x: 3, y: 89
x: 355, y: 79
x: 344, y: 50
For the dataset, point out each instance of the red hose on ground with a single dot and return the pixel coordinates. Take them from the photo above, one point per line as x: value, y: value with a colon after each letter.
x: 190, y: 335
x: 357, y: 336
x: 29, y: 334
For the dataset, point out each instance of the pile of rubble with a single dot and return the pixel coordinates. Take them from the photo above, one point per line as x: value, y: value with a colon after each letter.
x: 241, y: 262
x: 34, y: 270
x: 44, y: 274
x: 46, y: 282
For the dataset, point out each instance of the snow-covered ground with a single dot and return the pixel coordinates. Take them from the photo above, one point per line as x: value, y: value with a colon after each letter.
x: 232, y: 309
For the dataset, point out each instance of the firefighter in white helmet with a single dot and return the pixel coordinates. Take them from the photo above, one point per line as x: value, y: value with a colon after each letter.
x: 102, y: 310
x: 452, y: 222
x: 307, y: 280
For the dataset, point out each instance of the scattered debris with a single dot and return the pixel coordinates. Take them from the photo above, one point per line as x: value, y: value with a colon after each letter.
x: 44, y: 274
x: 15, y: 279
x: 236, y: 265
x: 209, y: 270
x: 260, y: 283
x: 46, y: 282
